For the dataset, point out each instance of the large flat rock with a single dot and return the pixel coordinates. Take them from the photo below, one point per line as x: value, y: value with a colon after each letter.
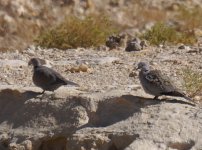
x: 70, y: 119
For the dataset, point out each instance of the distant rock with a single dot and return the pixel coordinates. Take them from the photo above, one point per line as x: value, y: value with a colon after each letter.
x: 12, y: 63
x: 115, y: 41
x: 184, y: 47
x: 134, y: 45
x: 105, y: 60
x: 91, y: 61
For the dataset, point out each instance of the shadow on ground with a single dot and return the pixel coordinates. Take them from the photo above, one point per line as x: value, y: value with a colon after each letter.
x: 116, y: 109
x: 15, y: 109
x: 11, y: 104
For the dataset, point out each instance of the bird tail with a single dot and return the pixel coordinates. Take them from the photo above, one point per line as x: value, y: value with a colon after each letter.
x: 71, y: 83
x: 177, y: 94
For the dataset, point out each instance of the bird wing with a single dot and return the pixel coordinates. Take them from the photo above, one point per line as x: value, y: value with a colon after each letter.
x: 52, y: 76
x: 43, y: 76
x: 156, y: 78
x: 60, y: 79
x: 164, y: 83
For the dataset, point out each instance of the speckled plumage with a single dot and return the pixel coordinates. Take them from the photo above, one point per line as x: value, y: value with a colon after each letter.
x: 47, y: 78
x: 157, y: 84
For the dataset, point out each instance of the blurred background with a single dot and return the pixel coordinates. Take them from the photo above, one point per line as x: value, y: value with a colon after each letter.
x: 27, y: 22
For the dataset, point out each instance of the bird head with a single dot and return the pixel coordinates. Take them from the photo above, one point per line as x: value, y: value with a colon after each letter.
x: 143, y: 66
x: 35, y: 62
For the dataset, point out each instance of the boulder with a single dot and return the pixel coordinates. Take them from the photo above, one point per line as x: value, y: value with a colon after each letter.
x: 70, y: 119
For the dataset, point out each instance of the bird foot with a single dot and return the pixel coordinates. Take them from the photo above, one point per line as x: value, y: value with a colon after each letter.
x: 43, y: 92
x: 155, y: 98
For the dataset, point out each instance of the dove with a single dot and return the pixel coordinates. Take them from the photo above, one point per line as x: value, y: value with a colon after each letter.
x: 47, y: 78
x: 157, y: 84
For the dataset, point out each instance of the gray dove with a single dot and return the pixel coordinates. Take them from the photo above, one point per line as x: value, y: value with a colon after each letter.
x: 47, y: 78
x: 157, y: 84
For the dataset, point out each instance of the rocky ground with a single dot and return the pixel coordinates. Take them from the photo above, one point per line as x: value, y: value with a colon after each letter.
x: 109, y: 111
x: 105, y: 69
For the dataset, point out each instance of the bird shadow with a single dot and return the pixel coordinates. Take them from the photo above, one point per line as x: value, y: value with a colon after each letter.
x: 12, y: 103
x: 31, y: 94
x: 17, y: 110
x: 14, y: 94
x: 113, y: 110
x: 177, y: 101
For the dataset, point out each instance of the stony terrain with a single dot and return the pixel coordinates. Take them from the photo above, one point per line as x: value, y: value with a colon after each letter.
x: 109, y: 111
x: 106, y: 69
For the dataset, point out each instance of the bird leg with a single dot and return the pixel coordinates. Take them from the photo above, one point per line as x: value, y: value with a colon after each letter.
x: 155, y: 98
x: 43, y: 92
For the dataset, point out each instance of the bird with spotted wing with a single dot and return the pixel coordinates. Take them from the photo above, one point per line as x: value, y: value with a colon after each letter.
x: 157, y: 84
